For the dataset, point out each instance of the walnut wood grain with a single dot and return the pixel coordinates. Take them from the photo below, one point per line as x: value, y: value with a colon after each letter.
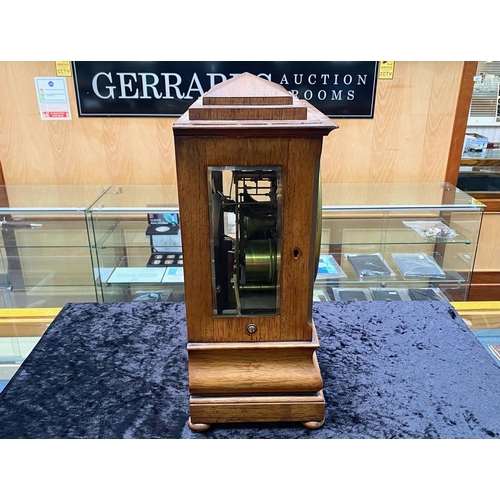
x: 254, y: 371
x: 297, y: 158
x: 313, y: 425
x: 485, y: 285
x: 486, y: 278
x: 248, y: 91
x: 241, y: 375
x: 461, y: 116
x: 484, y: 292
x: 298, y: 246
x: 269, y: 409
x: 234, y: 329
x: 316, y: 124
x: 304, y: 398
x: 197, y: 427
x: 195, y: 234
x: 248, y: 113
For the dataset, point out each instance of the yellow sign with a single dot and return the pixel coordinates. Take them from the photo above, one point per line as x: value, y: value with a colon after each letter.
x: 386, y: 70
x: 63, y: 68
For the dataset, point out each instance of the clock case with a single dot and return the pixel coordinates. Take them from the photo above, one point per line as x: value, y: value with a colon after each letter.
x: 251, y: 364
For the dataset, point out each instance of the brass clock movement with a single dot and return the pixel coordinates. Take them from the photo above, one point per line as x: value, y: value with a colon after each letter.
x: 248, y: 176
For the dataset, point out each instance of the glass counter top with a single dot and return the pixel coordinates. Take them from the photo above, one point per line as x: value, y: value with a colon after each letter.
x: 147, y: 198
x: 404, y: 195
x: 135, y: 198
x: 49, y: 198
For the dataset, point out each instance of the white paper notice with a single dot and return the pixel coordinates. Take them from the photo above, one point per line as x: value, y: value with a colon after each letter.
x: 136, y: 275
x: 173, y: 275
x: 52, y: 95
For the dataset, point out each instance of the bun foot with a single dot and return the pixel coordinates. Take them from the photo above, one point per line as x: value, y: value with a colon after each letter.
x: 313, y: 424
x: 198, y: 427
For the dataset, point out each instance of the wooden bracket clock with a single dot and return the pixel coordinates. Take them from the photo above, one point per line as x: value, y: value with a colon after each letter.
x: 248, y: 174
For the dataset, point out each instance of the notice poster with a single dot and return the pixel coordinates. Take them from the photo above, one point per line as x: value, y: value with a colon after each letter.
x: 52, y: 95
x: 386, y: 70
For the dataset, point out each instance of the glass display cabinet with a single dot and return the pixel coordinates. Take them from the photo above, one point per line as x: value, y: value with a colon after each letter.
x: 482, y: 181
x: 123, y: 243
x: 397, y: 241
x: 137, y: 244
x: 45, y: 257
x: 480, y: 173
x: 479, y: 176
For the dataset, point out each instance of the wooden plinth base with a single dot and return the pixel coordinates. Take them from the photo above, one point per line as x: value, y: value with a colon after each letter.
x: 255, y: 382
x: 206, y: 410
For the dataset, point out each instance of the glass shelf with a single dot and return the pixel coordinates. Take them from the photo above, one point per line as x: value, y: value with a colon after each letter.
x: 119, y: 222
x: 68, y: 242
x: 406, y: 197
x: 386, y: 219
x: 45, y: 255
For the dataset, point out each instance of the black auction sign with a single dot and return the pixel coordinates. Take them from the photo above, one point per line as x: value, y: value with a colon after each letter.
x: 344, y: 89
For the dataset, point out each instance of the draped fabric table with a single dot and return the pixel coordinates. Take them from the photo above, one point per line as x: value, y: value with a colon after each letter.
x: 390, y: 370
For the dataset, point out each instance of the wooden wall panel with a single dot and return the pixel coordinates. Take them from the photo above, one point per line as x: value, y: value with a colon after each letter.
x: 408, y: 140
x: 464, y: 98
x: 79, y: 151
x: 409, y: 137
x: 488, y: 255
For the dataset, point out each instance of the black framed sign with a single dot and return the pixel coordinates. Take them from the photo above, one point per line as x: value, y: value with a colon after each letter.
x: 342, y: 89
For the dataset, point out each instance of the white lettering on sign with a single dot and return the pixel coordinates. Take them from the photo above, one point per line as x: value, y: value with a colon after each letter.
x: 107, y: 85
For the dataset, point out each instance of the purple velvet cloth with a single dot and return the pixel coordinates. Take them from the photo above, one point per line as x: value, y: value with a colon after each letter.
x: 390, y: 370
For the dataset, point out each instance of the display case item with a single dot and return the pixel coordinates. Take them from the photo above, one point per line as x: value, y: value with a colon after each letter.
x: 137, y: 242
x: 399, y: 241
x: 86, y: 243
x: 479, y: 174
x: 474, y: 143
x: 480, y: 171
x: 432, y: 222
